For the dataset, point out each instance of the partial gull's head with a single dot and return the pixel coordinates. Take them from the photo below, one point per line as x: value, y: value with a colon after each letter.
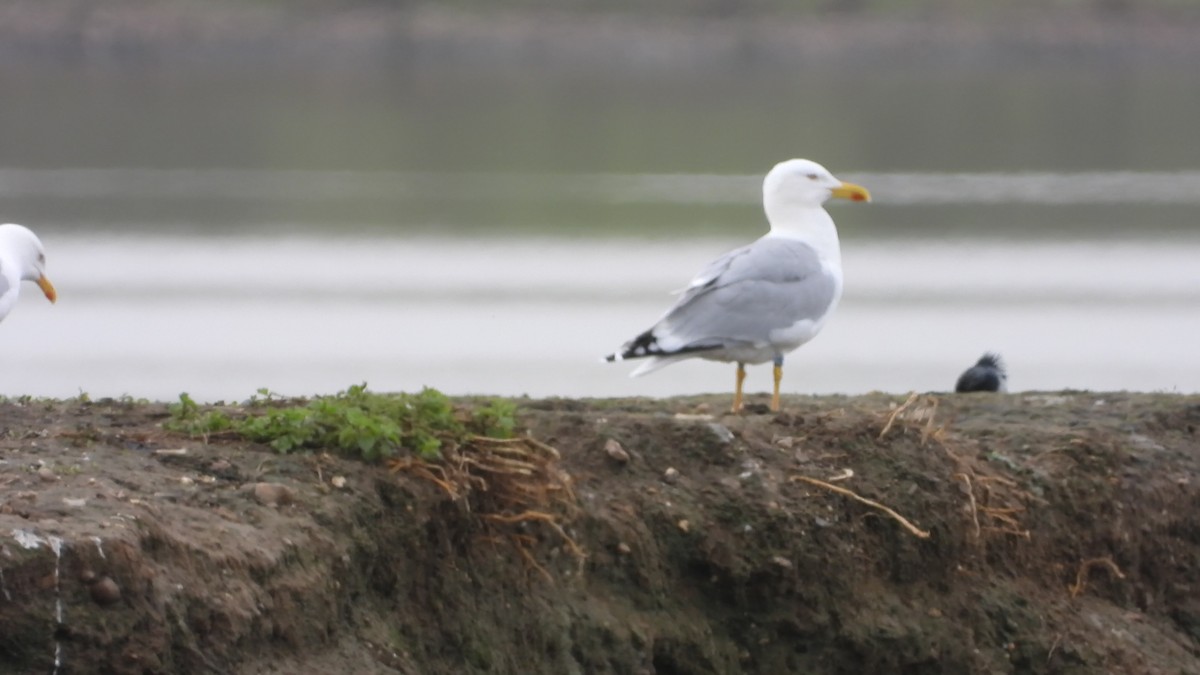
x: 22, y: 258
x: 802, y: 183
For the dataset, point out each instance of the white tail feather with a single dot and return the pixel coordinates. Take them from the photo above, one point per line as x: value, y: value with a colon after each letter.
x: 654, y: 363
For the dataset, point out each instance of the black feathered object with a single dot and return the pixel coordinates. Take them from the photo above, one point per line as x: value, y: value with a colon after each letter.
x: 988, y: 374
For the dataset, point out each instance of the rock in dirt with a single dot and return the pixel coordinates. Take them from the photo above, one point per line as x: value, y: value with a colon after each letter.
x: 272, y: 494
x: 616, y: 452
x: 105, y: 591
x: 47, y: 474
x: 722, y: 432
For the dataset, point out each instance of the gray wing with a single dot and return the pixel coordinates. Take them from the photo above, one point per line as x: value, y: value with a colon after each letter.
x: 749, y: 292
x: 711, y: 272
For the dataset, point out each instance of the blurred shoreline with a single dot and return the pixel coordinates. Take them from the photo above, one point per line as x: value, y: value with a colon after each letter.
x: 373, y: 37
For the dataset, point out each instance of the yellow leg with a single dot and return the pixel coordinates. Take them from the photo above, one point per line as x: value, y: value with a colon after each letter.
x: 737, y: 392
x: 775, y: 396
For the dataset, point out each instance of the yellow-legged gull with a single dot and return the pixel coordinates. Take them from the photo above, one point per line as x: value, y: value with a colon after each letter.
x: 759, y: 302
x: 21, y: 259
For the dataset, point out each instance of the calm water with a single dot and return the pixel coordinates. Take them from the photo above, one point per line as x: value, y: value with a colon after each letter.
x: 151, y: 316
x: 480, y: 235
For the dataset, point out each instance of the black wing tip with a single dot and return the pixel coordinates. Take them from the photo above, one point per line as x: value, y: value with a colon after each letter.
x: 641, y: 346
x: 646, y: 345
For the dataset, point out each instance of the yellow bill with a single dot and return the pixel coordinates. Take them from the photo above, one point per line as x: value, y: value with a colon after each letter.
x: 855, y: 193
x: 48, y: 289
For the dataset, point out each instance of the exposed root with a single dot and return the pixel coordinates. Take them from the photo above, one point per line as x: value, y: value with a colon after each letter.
x: 1023, y: 534
x: 318, y: 462
x: 896, y: 413
x: 904, y: 522
x: 1050, y: 654
x: 974, y: 507
x: 921, y: 411
x: 999, y: 479
x: 930, y: 431
x: 994, y: 501
x: 521, y: 445
x: 1085, y: 569
x: 523, y: 546
x: 427, y: 471
x: 509, y: 483
x: 844, y: 474
x: 1004, y: 516
x: 549, y: 519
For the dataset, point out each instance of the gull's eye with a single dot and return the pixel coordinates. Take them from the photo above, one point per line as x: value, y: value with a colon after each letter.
x: 42, y: 258
x: 813, y: 176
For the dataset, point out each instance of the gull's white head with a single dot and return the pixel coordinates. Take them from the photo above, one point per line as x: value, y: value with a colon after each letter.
x: 802, y: 183
x: 22, y: 258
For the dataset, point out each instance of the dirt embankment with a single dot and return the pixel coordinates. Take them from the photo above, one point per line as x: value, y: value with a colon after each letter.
x: 1063, y: 536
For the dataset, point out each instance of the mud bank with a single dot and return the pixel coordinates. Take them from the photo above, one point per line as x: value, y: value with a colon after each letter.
x: 1063, y: 536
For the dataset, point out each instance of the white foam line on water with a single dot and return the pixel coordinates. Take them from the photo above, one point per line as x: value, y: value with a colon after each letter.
x: 1087, y: 187
x: 1046, y: 188
x: 391, y: 270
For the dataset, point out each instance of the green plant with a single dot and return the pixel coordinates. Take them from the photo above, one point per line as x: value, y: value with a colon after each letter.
x: 355, y: 421
x: 497, y: 419
x: 285, y: 429
x: 189, y: 418
x: 263, y: 395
